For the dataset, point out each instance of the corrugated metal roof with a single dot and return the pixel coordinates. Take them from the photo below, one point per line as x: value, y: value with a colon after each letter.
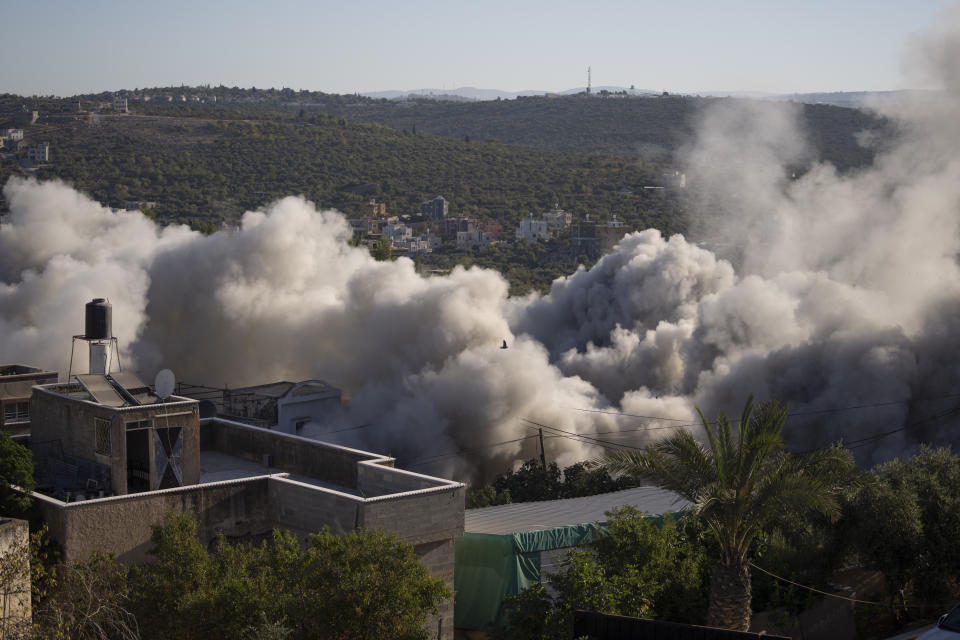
x: 533, y: 516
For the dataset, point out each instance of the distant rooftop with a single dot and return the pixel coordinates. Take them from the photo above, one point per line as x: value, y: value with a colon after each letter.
x: 522, y: 517
x: 22, y: 369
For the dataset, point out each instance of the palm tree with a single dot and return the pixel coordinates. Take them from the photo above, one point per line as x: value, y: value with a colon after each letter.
x: 740, y: 486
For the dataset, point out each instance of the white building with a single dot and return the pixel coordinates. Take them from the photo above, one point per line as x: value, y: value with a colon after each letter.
x: 533, y: 230
x: 476, y: 239
x: 11, y: 134
x: 396, y: 232
x: 119, y: 104
x: 414, y: 245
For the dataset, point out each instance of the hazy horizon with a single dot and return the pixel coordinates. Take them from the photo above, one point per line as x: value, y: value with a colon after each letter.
x: 744, y: 46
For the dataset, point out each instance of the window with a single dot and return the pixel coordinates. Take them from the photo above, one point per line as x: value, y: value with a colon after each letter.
x: 16, y: 412
x: 103, y: 436
x: 134, y: 425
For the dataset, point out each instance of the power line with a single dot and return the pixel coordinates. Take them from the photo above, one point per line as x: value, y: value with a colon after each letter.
x: 581, y: 437
x: 420, y: 461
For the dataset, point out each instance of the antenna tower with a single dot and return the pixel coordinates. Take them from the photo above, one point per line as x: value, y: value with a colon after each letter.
x: 588, y: 80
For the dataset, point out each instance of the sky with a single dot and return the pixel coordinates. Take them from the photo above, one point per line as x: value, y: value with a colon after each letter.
x: 54, y: 47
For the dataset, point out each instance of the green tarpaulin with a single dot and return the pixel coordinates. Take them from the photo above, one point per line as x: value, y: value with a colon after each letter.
x: 489, y: 567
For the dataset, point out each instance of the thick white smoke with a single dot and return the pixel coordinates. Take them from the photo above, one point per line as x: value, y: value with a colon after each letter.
x: 823, y: 290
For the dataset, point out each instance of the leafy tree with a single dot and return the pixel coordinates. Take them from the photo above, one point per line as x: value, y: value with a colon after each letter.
x: 16, y: 469
x: 382, y: 250
x: 366, y: 584
x: 740, y: 485
x: 906, y: 522
x: 649, y: 567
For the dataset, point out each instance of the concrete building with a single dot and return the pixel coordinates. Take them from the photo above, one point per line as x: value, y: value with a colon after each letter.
x: 397, y: 233
x: 119, y: 104
x: 113, y: 458
x: 16, y: 387
x: 610, y: 233
x: 414, y: 245
x: 11, y: 134
x: 435, y: 209
x: 476, y: 239
x: 283, y: 406
x: 25, y: 117
x: 557, y: 219
x: 533, y: 230
x: 39, y: 153
x: 453, y: 226
x: 376, y: 209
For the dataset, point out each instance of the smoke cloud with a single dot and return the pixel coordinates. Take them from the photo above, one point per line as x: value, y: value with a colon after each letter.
x: 838, y: 294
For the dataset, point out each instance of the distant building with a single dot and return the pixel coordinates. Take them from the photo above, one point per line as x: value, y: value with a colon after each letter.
x: 283, y: 406
x: 11, y: 134
x: 453, y: 226
x: 492, y: 227
x: 532, y: 230
x: 16, y: 387
x: 435, y: 209
x: 39, y: 153
x: 396, y: 232
x: 139, y: 205
x: 414, y: 245
x: 476, y: 239
x: 75, y: 106
x: 610, y: 233
x: 119, y: 104
x: 557, y: 219
x: 376, y: 209
x: 25, y: 117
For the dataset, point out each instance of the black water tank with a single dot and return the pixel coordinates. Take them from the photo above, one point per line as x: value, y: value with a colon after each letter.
x: 99, y: 320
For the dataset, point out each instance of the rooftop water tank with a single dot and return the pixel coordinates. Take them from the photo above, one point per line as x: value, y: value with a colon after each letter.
x: 98, y: 323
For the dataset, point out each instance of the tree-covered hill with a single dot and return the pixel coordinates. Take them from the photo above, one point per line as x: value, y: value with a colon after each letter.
x: 645, y: 127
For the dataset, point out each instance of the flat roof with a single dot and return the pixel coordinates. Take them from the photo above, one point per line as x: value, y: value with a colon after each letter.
x: 522, y: 517
x: 216, y: 466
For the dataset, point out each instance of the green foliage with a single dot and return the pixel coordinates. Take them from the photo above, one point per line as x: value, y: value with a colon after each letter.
x: 486, y: 496
x: 531, y: 482
x: 646, y: 567
x: 906, y: 523
x: 16, y: 468
x: 381, y: 250
x: 741, y: 485
x: 365, y: 584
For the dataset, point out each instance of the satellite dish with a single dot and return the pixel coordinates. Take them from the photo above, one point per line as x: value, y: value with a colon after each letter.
x: 164, y: 383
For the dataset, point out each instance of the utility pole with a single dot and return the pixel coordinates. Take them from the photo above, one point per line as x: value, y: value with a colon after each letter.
x: 543, y: 455
x: 588, y: 80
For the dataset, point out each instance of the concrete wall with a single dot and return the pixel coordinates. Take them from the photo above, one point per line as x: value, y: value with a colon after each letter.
x: 123, y: 524
x: 71, y: 423
x: 304, y: 509
x: 292, y: 454
x: 375, y: 479
x: 14, y: 576
x: 418, y: 518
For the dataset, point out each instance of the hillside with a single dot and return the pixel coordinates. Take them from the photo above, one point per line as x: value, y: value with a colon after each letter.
x: 204, y: 162
x: 645, y: 127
